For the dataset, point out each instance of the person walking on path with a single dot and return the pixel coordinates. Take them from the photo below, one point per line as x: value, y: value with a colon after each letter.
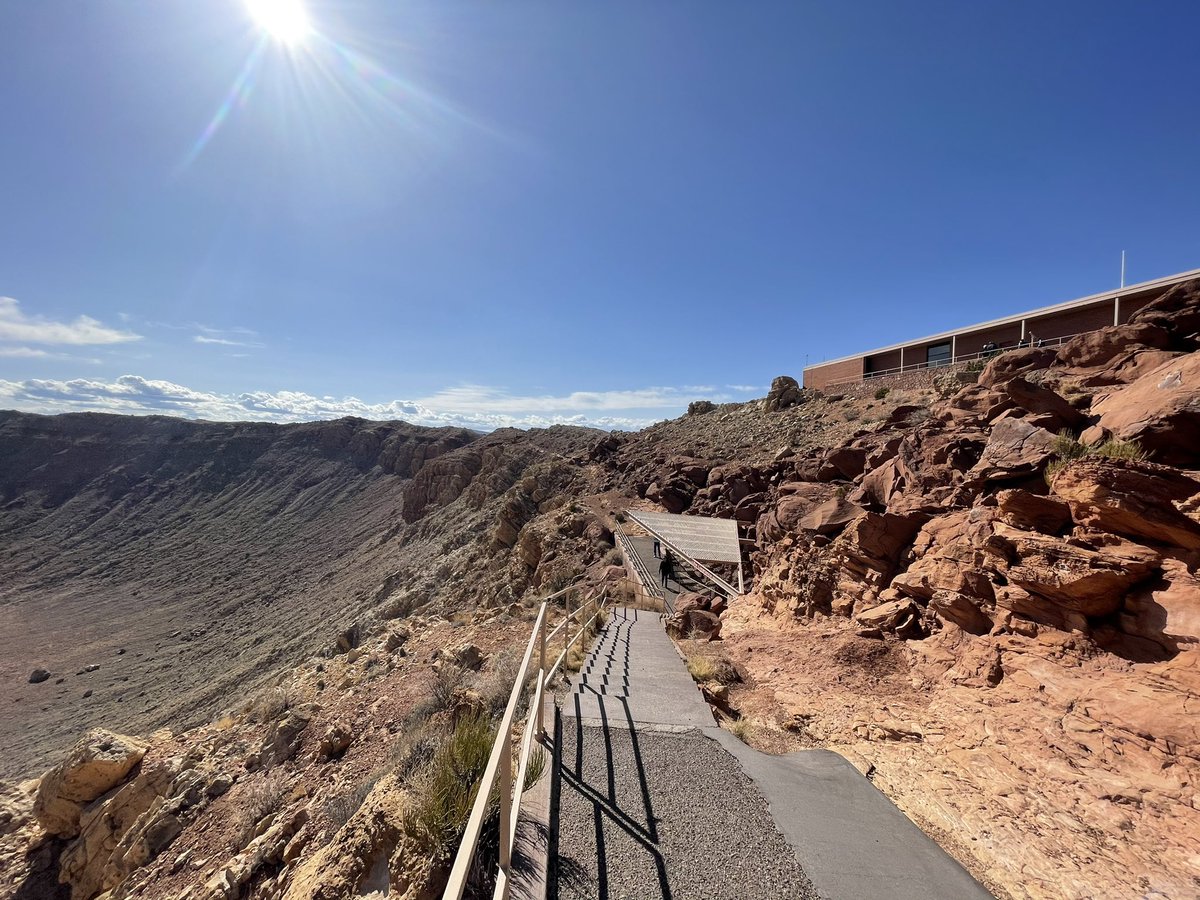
x: 657, y: 549
x: 666, y: 568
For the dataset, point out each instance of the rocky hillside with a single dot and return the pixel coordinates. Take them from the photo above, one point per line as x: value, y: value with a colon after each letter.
x: 993, y: 605
x: 981, y: 587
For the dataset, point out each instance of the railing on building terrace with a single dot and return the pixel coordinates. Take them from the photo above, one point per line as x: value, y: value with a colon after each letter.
x: 500, y: 763
x: 954, y: 360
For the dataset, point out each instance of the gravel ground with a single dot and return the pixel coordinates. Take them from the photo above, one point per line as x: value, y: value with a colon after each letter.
x: 673, y: 816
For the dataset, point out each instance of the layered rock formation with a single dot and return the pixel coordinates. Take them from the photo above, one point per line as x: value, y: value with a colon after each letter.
x: 1044, y: 619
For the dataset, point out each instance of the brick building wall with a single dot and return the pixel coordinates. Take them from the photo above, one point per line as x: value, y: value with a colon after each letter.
x: 823, y: 376
x: 1089, y: 314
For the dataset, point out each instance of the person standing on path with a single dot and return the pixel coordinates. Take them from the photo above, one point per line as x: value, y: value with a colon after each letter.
x: 657, y: 549
x: 666, y: 568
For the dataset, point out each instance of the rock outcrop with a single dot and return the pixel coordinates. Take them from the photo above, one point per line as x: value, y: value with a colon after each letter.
x: 98, y: 763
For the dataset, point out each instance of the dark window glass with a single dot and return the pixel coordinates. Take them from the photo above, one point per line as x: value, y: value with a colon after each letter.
x: 938, y: 355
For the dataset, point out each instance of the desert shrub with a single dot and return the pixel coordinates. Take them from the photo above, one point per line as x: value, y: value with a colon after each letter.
x: 448, y: 680
x: 614, y: 558
x: 701, y: 668
x: 270, y: 705
x: 1068, y: 448
x: 575, y: 657
x: 260, y: 798
x: 340, y: 807
x: 739, y: 728
x: 448, y: 784
x: 975, y: 365
x: 1118, y: 449
x: 495, y: 685
x: 882, y: 392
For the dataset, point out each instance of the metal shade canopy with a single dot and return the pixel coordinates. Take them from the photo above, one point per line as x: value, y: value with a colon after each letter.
x: 708, y: 540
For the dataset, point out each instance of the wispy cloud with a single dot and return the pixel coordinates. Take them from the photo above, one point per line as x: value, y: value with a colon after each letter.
x: 224, y: 342
x: 478, y: 398
x: 24, y: 352
x: 16, y: 325
x: 747, y: 388
x: 227, y: 337
x: 471, y: 406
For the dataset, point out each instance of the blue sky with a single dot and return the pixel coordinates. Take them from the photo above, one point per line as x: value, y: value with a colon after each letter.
x: 516, y: 213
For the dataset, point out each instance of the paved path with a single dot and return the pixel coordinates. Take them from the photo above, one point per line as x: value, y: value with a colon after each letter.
x: 648, y: 805
x: 681, y: 582
x: 650, y: 799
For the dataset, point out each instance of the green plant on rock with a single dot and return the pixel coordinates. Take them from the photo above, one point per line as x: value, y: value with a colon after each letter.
x: 1068, y: 448
x: 882, y: 392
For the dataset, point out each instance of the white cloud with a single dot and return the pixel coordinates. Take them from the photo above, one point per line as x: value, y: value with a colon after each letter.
x: 477, y: 398
x: 747, y: 388
x: 224, y: 342
x: 471, y: 406
x: 15, y: 325
x: 23, y: 352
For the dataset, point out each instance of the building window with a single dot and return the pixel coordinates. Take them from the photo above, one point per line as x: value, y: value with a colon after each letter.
x: 937, y: 355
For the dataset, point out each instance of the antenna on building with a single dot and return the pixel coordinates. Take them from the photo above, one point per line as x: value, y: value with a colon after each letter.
x: 1122, y: 268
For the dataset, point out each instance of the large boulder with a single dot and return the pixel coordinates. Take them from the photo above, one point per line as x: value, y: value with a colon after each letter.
x: 930, y: 472
x: 1177, y: 311
x: 1083, y: 578
x: 797, y: 499
x: 1130, y: 497
x: 951, y: 554
x: 1160, y: 411
x: 127, y: 829
x: 98, y: 763
x: 785, y: 392
x: 831, y: 516
x: 695, y: 616
x: 1033, y: 512
x: 1012, y: 363
x: 1095, y: 349
x: 1015, y: 449
x: 1166, y: 611
x: 965, y: 612
x: 1050, y: 409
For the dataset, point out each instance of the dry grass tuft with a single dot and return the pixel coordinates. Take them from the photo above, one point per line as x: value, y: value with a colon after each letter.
x: 259, y: 799
x: 701, y: 668
x: 1068, y: 448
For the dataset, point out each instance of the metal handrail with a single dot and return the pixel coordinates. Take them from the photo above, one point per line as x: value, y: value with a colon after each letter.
x: 724, y: 586
x: 954, y: 360
x: 640, y: 571
x: 500, y: 761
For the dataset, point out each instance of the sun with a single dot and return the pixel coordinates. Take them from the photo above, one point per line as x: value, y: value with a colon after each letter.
x: 284, y: 20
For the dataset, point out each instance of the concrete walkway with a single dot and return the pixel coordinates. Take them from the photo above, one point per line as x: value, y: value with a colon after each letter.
x: 682, y: 580
x: 650, y: 799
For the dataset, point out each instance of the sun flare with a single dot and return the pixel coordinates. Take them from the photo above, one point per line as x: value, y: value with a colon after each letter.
x: 284, y: 20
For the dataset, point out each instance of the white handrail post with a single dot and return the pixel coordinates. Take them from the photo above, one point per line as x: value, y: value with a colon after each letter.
x: 505, y: 804
x: 567, y: 623
x: 541, y: 718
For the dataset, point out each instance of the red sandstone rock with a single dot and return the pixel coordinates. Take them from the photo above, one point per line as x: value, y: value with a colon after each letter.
x: 1177, y: 311
x: 1166, y: 611
x: 1014, y: 450
x: 1042, y: 402
x: 1131, y: 498
x: 1161, y: 411
x: 1013, y: 363
x: 1085, y: 579
x: 802, y: 497
x: 1096, y: 349
x: 1033, y: 512
x: 831, y: 516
